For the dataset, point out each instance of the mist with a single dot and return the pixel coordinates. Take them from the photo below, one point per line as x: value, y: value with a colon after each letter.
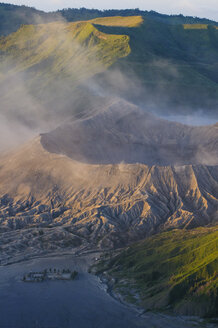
x: 198, y: 119
x: 156, y: 99
x: 33, y: 102
x: 13, y: 133
x: 70, y: 83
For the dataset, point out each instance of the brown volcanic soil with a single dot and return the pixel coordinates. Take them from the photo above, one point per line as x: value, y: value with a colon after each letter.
x: 52, y: 195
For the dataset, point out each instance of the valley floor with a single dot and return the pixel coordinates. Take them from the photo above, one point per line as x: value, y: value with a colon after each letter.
x: 83, y: 303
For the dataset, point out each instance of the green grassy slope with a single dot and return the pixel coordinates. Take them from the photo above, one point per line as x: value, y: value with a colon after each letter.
x: 87, y: 14
x: 169, y: 67
x: 60, y: 44
x: 129, y: 21
x: 12, y: 16
x: 176, y: 269
x: 46, y: 63
x: 176, y: 66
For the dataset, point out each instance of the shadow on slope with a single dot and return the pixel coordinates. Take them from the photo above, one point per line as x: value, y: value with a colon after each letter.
x: 121, y: 132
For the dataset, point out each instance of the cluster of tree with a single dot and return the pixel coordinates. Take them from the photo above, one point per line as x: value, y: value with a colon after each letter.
x: 13, y: 16
x: 173, y: 67
x: 73, y: 14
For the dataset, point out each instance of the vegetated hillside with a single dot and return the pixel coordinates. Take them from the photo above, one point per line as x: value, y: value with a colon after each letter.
x: 101, y: 205
x: 13, y: 16
x: 129, y: 21
x: 41, y: 66
x: 164, y: 67
x: 32, y: 44
x: 171, y: 68
x: 195, y: 26
x: 175, y: 270
x: 71, y: 14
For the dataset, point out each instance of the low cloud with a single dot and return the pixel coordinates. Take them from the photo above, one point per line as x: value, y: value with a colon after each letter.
x: 31, y: 103
x: 14, y: 133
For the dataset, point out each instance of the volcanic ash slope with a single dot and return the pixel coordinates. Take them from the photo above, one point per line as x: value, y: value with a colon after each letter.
x: 106, y: 180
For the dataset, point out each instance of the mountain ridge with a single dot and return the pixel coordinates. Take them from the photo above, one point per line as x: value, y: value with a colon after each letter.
x: 105, y: 171
x: 102, y: 206
x: 19, y: 15
x: 121, y: 132
x: 154, y: 65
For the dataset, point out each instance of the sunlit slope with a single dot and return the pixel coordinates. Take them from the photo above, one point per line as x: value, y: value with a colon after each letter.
x: 42, y: 65
x: 176, y: 269
x: 78, y: 50
x: 198, y: 26
x: 106, y: 205
x: 157, y: 65
x: 110, y: 179
x: 195, y: 26
x: 129, y: 21
x: 12, y: 16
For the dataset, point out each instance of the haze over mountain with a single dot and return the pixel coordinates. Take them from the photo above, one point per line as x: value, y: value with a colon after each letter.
x: 121, y: 132
x: 100, y: 170
x: 12, y: 16
x: 106, y: 180
x: 105, y: 167
x: 61, y: 69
